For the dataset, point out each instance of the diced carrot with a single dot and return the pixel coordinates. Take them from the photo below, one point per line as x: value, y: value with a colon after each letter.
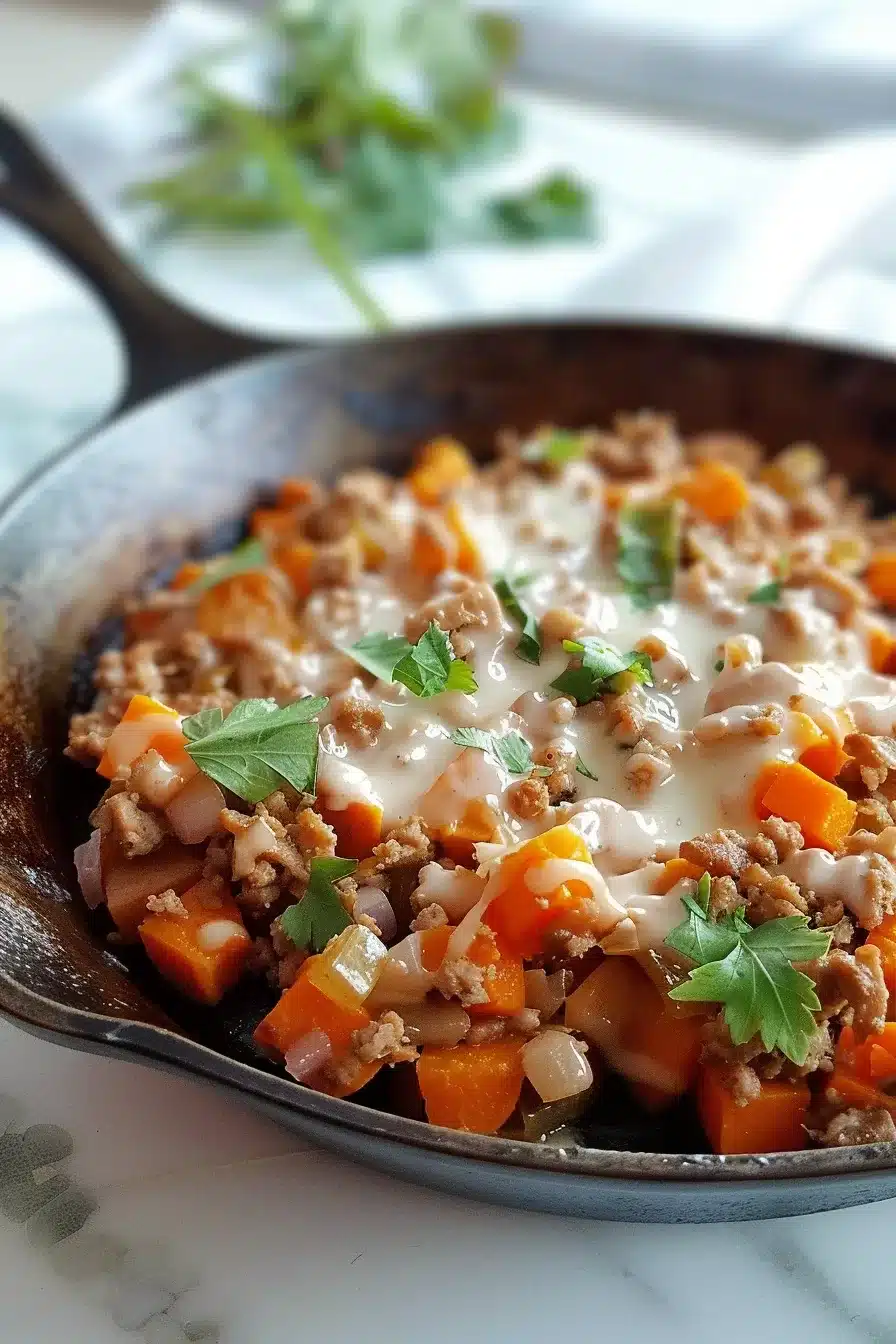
x: 303, y: 1008
x: 863, y: 1070
x: 827, y: 758
x: 477, y: 826
x: 296, y: 559
x: 882, y: 650
x: 146, y: 724
x: 673, y: 872
x: 764, y: 780
x: 204, y: 952
x: 471, y: 1087
x: 672, y: 1044
x: 522, y: 917
x: 884, y: 939
x: 346, y: 1086
x: 358, y: 828
x: 431, y: 552
x: 245, y: 606
x: 189, y: 572
x: 824, y: 813
x: 468, y: 558
x: 771, y: 1123
x: 295, y: 490
x: 716, y: 490
x: 880, y: 576
x: 128, y: 883
x: 373, y: 553
x: 272, y: 525
x: 505, y: 982
x: 615, y: 495
x: 441, y: 467
x: 855, y: 1092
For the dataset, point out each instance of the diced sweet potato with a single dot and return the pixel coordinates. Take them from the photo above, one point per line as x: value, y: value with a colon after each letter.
x: 772, y: 1123
x: 471, y: 1087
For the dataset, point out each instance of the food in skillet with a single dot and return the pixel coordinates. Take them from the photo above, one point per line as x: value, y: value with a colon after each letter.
x: 524, y: 777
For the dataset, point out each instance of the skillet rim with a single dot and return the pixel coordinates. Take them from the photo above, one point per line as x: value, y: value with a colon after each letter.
x: 155, y: 1045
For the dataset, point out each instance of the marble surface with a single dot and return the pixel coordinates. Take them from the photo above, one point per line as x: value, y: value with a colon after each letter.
x: 204, y: 1222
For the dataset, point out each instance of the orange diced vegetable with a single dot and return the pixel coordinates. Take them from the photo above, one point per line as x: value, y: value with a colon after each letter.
x: 884, y: 939
x: 245, y: 606
x: 349, y: 966
x: 615, y: 495
x: 358, y: 828
x: 272, y: 525
x: 295, y: 490
x: 522, y: 917
x: 430, y: 552
x: 827, y: 758
x: 882, y: 650
x: 204, y: 952
x: 823, y: 812
x: 477, y: 826
x: 881, y: 576
x: 188, y: 574
x: 441, y: 467
x: 673, y: 872
x: 471, y: 1087
x: 865, y: 1070
x: 505, y: 983
x: 468, y: 558
x: 373, y: 553
x: 296, y: 559
x: 128, y: 883
x: 716, y: 490
x: 345, y: 1086
x: 303, y: 1008
x: 671, y: 1044
x: 771, y: 1123
x: 146, y: 724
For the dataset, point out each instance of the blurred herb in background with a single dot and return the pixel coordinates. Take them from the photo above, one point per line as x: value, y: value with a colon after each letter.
x: 366, y: 110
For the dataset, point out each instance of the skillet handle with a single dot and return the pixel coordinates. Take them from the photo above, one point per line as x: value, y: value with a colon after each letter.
x: 165, y: 344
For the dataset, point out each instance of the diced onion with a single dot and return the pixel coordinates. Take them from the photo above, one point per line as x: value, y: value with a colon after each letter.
x: 435, y: 1023
x: 155, y: 779
x: 251, y: 843
x: 217, y: 933
x: 88, y: 862
x: 194, y: 812
x: 556, y: 1065
x: 309, y: 1053
x: 375, y: 904
x: 403, y: 978
x: 456, y: 890
x: 546, y: 993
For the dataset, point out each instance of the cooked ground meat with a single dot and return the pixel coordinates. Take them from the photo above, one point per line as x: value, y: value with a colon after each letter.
x: 359, y: 721
x: 407, y: 845
x: 136, y: 830
x: 529, y: 798
x: 874, y: 1125
x: 384, y: 1039
x: 852, y: 987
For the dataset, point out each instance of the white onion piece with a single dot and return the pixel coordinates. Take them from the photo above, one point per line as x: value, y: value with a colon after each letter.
x: 556, y: 1065
x: 217, y: 933
x: 194, y: 812
x: 456, y: 890
x: 375, y: 904
x: 155, y: 779
x: 403, y: 978
x: 435, y: 1023
x: 250, y: 844
x: 88, y: 862
x: 308, y: 1054
x: 547, y: 993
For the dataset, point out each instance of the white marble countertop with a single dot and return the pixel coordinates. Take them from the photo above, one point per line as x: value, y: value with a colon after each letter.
x: 214, y: 1224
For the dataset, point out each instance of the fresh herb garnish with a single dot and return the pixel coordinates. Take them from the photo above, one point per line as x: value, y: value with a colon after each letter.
x: 247, y: 556
x: 596, y: 667
x: 582, y: 769
x: 554, y: 447
x: 320, y: 914
x: 258, y: 747
x: 766, y: 593
x: 530, y: 645
x: 648, y: 551
x: 750, y: 971
x: 718, y: 665
x: 427, y: 668
x: 556, y: 207
x: 363, y: 115
x: 510, y: 749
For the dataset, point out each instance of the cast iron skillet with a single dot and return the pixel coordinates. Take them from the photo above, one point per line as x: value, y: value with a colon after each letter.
x: 137, y: 492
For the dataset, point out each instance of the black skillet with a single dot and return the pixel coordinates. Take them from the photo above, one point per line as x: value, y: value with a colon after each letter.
x: 210, y: 418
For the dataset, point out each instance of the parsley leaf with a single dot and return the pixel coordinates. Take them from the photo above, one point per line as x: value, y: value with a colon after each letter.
x: 530, y: 646
x: 556, y: 207
x: 510, y: 749
x: 426, y: 668
x: 554, y: 447
x: 766, y: 594
x: 320, y: 914
x: 248, y: 555
x: 595, y: 668
x: 718, y: 665
x: 258, y: 747
x: 582, y: 769
x: 750, y: 971
x: 648, y: 551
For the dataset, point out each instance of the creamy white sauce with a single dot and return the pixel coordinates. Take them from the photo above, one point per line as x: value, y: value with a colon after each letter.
x: 217, y: 933
x: 843, y: 879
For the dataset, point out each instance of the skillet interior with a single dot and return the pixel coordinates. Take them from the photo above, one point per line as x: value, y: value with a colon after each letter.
x: 133, y: 497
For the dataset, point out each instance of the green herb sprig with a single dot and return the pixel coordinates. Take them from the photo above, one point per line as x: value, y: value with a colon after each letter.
x: 750, y: 971
x: 554, y: 448
x: 248, y: 556
x: 510, y: 749
x: 320, y: 914
x: 530, y: 646
x: 258, y: 747
x: 767, y: 594
x: 427, y: 668
x: 596, y: 668
x: 648, y: 551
